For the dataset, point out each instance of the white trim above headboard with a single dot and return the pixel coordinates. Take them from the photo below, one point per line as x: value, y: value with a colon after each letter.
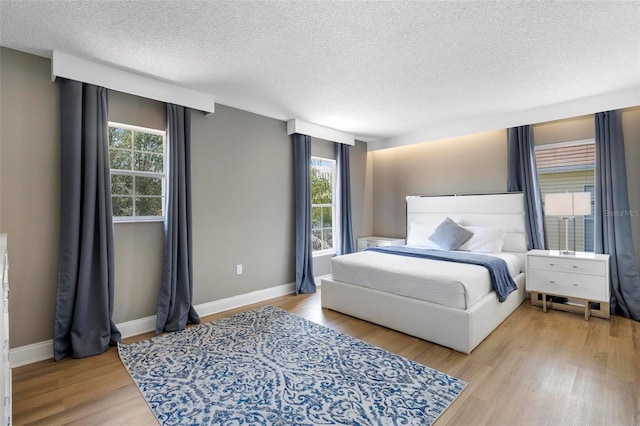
x: 505, y: 211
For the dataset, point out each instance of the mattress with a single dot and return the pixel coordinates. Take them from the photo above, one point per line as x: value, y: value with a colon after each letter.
x: 456, y: 285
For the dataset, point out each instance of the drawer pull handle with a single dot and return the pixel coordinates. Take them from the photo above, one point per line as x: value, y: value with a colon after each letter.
x: 552, y: 282
x: 552, y: 264
x: 574, y: 267
x: 576, y: 285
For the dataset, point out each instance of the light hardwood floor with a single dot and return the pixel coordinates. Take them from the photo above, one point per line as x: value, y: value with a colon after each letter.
x: 535, y: 369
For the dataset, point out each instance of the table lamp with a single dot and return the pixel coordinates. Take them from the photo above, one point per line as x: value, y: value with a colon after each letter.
x: 567, y: 205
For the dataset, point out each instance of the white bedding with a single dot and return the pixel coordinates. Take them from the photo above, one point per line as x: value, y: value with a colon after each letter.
x: 456, y: 285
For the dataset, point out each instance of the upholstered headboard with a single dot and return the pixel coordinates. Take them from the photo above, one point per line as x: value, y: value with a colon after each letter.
x: 504, y: 211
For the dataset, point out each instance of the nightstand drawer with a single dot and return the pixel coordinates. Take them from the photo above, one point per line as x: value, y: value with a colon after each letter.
x: 567, y: 264
x: 378, y: 243
x: 590, y: 287
x: 367, y: 242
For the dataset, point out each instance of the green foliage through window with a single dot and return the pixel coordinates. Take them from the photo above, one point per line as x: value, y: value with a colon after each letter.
x: 322, y: 208
x: 137, y: 164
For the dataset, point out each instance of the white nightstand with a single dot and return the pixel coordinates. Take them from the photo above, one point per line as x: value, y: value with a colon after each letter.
x: 581, y: 278
x: 366, y: 242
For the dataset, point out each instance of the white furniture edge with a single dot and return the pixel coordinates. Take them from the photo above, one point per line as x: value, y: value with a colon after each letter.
x: 41, y: 351
x: 458, y: 329
x: 305, y: 128
x: 377, y: 238
x: 6, y: 384
x: 67, y: 66
x: 602, y: 312
x: 461, y: 330
x: 386, y: 241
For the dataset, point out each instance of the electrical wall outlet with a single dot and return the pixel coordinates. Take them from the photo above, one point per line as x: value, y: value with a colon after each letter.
x: 239, y: 269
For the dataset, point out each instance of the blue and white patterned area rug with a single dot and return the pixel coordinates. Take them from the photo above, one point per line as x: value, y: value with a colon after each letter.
x: 270, y: 367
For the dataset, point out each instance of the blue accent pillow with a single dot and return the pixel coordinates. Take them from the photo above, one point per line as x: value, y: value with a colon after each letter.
x: 449, y: 235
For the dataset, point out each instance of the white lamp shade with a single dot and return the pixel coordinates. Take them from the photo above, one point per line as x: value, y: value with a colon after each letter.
x: 581, y: 203
x: 568, y: 204
x: 560, y: 204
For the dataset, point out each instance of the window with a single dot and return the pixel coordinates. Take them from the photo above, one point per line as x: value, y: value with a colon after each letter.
x: 322, y: 204
x: 137, y: 159
x: 589, y: 221
x: 567, y: 167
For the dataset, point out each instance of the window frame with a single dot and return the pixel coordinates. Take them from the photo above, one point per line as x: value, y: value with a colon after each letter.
x: 331, y: 250
x: 591, y: 187
x: 163, y: 175
x: 560, y: 169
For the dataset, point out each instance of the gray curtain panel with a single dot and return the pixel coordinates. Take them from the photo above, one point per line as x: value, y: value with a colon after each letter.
x: 84, y: 300
x: 612, y: 222
x: 175, y: 301
x: 305, y: 282
x: 523, y: 177
x: 343, y: 200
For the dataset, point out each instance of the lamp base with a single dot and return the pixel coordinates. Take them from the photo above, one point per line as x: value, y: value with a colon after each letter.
x: 566, y: 251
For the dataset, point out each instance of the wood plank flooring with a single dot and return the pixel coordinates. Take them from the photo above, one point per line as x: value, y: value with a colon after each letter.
x: 535, y: 369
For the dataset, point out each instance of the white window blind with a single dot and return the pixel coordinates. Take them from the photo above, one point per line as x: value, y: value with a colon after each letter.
x: 567, y: 167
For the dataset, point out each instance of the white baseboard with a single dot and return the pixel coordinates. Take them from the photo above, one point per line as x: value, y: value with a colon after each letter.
x: 245, y: 299
x: 41, y: 351
x: 28, y: 354
x: 135, y: 327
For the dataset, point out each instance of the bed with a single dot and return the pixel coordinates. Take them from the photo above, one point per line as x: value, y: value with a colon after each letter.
x: 460, y: 319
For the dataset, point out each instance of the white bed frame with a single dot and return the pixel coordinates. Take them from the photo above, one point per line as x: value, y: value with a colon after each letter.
x: 461, y: 330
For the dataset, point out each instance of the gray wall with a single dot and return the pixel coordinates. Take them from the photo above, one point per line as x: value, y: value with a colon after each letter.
x: 469, y: 164
x: 30, y: 170
x: 478, y: 164
x: 571, y: 129
x: 242, y: 202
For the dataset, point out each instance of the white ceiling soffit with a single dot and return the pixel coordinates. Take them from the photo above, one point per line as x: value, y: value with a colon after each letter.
x: 389, y: 71
x: 316, y: 131
x: 485, y: 123
x: 67, y: 66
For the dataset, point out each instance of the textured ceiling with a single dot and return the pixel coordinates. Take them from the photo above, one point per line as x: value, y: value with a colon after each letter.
x: 375, y: 69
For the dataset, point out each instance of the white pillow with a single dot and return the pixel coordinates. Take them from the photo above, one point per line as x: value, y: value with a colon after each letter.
x: 484, y: 240
x: 449, y: 235
x: 419, y: 233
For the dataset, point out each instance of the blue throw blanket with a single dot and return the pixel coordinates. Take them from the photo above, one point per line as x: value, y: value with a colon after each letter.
x: 501, y: 280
